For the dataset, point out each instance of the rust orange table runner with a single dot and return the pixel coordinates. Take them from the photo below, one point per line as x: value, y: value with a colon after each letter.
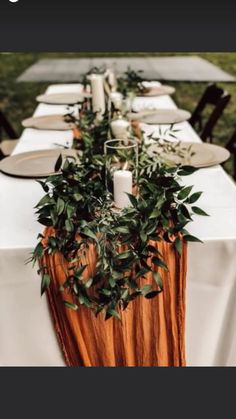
x: 151, y: 333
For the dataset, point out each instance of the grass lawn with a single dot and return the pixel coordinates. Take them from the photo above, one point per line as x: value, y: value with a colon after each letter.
x: 17, y: 100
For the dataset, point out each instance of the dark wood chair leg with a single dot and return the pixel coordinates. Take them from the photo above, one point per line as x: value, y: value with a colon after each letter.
x: 7, y: 126
x: 231, y: 146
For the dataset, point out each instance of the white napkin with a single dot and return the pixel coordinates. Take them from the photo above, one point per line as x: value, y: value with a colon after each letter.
x: 150, y: 84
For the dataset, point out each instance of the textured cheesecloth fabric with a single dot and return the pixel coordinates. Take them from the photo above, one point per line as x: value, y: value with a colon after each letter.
x: 151, y: 331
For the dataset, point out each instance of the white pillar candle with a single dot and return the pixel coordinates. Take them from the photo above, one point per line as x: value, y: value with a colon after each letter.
x: 116, y: 98
x: 120, y: 128
x: 122, y: 184
x: 88, y: 89
x: 98, y: 95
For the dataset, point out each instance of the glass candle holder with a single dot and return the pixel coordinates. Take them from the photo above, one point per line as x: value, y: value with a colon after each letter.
x: 121, y: 157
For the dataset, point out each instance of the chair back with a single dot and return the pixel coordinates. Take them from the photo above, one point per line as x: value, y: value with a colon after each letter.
x: 219, y: 99
x: 231, y: 146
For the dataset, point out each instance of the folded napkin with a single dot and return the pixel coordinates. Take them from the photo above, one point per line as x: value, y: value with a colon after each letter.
x: 150, y: 84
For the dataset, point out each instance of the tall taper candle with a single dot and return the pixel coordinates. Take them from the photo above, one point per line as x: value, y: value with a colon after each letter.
x: 98, y: 95
x: 112, y: 80
x: 116, y: 98
x: 122, y: 184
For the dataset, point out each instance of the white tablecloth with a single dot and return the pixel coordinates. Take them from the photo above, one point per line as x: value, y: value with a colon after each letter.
x: 27, y: 335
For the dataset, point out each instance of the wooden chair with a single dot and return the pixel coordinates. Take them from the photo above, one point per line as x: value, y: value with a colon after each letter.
x: 218, y: 98
x: 231, y: 146
x: 6, y: 145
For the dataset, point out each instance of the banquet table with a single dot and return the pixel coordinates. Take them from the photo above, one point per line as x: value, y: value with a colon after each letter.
x: 26, y: 330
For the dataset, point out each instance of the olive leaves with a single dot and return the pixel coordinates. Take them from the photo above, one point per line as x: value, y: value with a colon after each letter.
x: 80, y: 210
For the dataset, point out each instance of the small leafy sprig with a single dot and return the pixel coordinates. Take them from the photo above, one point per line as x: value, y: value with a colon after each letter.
x: 92, y: 133
x: 166, y: 151
x: 130, y: 82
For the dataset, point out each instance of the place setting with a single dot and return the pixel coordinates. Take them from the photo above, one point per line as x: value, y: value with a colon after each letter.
x: 160, y: 116
x: 154, y: 88
x: 59, y: 122
x: 49, y: 122
x: 189, y: 153
x: 63, y: 98
x: 35, y: 164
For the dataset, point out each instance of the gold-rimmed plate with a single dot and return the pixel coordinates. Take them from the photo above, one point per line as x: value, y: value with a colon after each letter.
x: 48, y: 122
x: 190, y: 153
x: 62, y: 98
x: 34, y: 164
